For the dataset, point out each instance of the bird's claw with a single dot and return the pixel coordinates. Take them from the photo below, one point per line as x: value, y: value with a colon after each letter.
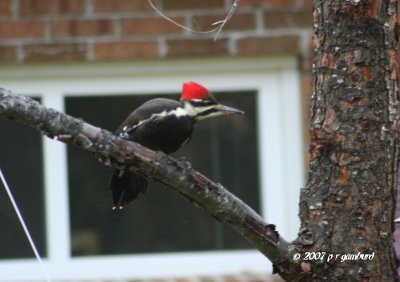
x: 187, y: 166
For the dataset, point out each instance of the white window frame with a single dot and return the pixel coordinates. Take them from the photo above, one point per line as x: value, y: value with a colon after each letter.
x: 281, y: 161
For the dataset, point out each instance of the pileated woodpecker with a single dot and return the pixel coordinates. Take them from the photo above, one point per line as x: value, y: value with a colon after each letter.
x: 162, y: 125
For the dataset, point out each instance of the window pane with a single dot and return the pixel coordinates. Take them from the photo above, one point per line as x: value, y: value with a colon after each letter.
x: 224, y: 149
x: 22, y: 164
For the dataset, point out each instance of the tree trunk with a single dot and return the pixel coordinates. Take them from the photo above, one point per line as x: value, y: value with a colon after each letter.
x: 348, y: 203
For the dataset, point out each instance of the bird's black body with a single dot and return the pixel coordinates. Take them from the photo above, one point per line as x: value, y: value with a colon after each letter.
x: 160, y: 125
x: 163, y: 125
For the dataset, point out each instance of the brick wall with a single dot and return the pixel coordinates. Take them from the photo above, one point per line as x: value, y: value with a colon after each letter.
x: 99, y: 30
x: 93, y: 30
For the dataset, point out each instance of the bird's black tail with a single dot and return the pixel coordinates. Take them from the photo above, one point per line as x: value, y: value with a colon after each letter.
x: 125, y: 187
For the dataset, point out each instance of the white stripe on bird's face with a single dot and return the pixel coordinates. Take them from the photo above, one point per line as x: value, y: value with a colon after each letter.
x: 202, y: 109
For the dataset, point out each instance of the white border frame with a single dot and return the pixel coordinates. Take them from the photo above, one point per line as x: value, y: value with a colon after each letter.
x: 281, y: 159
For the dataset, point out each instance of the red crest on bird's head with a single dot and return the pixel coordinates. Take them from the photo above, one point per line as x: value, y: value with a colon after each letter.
x: 193, y: 90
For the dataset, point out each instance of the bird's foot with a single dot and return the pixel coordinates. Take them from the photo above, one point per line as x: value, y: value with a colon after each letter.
x: 182, y: 159
x: 102, y: 159
x: 65, y: 138
x: 186, y: 166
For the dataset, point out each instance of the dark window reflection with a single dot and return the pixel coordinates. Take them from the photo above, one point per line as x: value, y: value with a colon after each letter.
x: 224, y: 149
x: 21, y: 160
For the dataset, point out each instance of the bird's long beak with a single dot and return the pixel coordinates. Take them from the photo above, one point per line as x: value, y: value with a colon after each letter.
x: 227, y: 110
x: 214, y: 110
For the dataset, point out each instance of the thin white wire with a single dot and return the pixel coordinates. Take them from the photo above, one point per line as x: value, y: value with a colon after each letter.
x: 218, y: 29
x: 26, y: 230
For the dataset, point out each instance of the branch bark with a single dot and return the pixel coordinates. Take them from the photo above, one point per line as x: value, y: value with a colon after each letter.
x: 177, y: 175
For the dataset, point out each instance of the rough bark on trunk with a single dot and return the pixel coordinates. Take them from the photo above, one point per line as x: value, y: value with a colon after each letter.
x: 348, y: 203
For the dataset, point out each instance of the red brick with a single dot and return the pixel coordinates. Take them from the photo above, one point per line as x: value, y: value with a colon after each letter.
x: 306, y: 92
x: 308, y: 3
x: 124, y: 49
x: 70, y: 6
x: 197, y: 47
x: 288, y: 18
x: 150, y: 26
x: 5, y: 8
x: 70, y: 28
x: 260, y: 277
x: 8, y: 54
x: 231, y: 278
x: 54, y: 52
x: 110, y: 6
x: 237, y: 22
x: 286, y: 44
x: 158, y: 280
x: 32, y: 7
x: 192, y: 4
x: 21, y: 29
x: 306, y: 88
x: 306, y: 64
x: 267, y: 3
x: 208, y: 279
x: 183, y: 279
x: 51, y: 7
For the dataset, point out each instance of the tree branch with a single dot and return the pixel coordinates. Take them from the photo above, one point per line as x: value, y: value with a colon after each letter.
x: 177, y: 175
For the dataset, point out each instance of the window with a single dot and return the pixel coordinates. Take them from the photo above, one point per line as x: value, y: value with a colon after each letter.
x: 69, y: 207
x: 22, y: 164
x: 224, y: 149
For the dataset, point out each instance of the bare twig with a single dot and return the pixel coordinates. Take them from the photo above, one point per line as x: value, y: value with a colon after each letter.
x: 220, y: 24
